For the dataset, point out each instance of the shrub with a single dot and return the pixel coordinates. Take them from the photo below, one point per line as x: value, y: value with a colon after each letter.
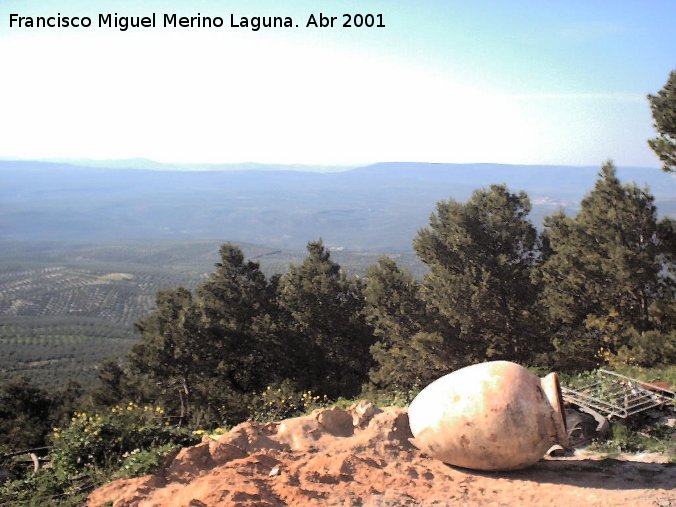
x: 143, y: 462
x: 101, y: 440
x: 649, y: 349
x: 283, y: 401
x: 126, y: 441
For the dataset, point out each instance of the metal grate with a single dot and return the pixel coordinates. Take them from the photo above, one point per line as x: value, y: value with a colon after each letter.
x: 614, y: 395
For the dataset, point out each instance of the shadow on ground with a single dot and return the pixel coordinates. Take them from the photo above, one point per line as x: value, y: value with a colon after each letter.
x: 605, y: 474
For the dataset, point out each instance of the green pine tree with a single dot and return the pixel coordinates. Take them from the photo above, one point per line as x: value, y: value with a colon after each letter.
x: 663, y: 107
x: 413, y: 346
x: 209, y: 352
x: 325, y: 311
x: 237, y: 304
x: 605, y: 277
x: 172, y: 351
x: 481, y: 255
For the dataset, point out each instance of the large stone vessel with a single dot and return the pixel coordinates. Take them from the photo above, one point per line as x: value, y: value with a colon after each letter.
x: 489, y: 416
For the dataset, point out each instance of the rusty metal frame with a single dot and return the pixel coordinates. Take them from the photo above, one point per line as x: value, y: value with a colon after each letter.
x: 617, y: 396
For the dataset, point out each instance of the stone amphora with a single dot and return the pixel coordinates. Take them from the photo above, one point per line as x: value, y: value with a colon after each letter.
x: 489, y: 416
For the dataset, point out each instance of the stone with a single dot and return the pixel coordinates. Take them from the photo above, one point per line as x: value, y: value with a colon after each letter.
x: 362, y: 412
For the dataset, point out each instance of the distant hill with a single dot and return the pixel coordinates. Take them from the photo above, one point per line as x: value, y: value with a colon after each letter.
x: 147, y: 164
x: 373, y: 208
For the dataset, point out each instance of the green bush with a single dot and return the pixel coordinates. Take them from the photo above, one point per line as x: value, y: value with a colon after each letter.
x: 50, y: 487
x: 143, y: 462
x: 283, y: 401
x: 101, y: 440
x: 649, y: 349
x: 128, y: 440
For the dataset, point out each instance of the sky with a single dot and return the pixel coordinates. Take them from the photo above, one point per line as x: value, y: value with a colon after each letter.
x: 520, y: 82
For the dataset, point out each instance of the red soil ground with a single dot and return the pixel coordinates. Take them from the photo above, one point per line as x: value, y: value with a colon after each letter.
x: 361, y: 458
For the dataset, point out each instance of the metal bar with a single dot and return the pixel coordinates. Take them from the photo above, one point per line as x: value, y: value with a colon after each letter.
x: 25, y: 451
x: 635, y: 381
x: 643, y: 406
x: 589, y: 386
x: 605, y: 408
x: 616, y: 395
x: 590, y: 397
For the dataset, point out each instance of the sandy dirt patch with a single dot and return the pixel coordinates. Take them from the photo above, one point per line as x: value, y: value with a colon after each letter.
x: 363, y: 457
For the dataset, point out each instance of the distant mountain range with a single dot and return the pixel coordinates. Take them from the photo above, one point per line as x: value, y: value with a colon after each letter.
x: 153, y: 165
x: 374, y: 208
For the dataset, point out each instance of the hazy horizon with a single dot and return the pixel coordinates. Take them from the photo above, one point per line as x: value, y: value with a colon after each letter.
x: 144, y: 163
x: 377, y: 207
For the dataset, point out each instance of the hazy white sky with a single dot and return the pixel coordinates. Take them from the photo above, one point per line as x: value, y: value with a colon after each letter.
x: 510, y: 82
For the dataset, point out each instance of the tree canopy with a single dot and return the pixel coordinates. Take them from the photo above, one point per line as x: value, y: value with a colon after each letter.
x: 325, y: 308
x: 480, y: 257
x: 663, y: 107
x: 414, y: 345
x: 606, y: 277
